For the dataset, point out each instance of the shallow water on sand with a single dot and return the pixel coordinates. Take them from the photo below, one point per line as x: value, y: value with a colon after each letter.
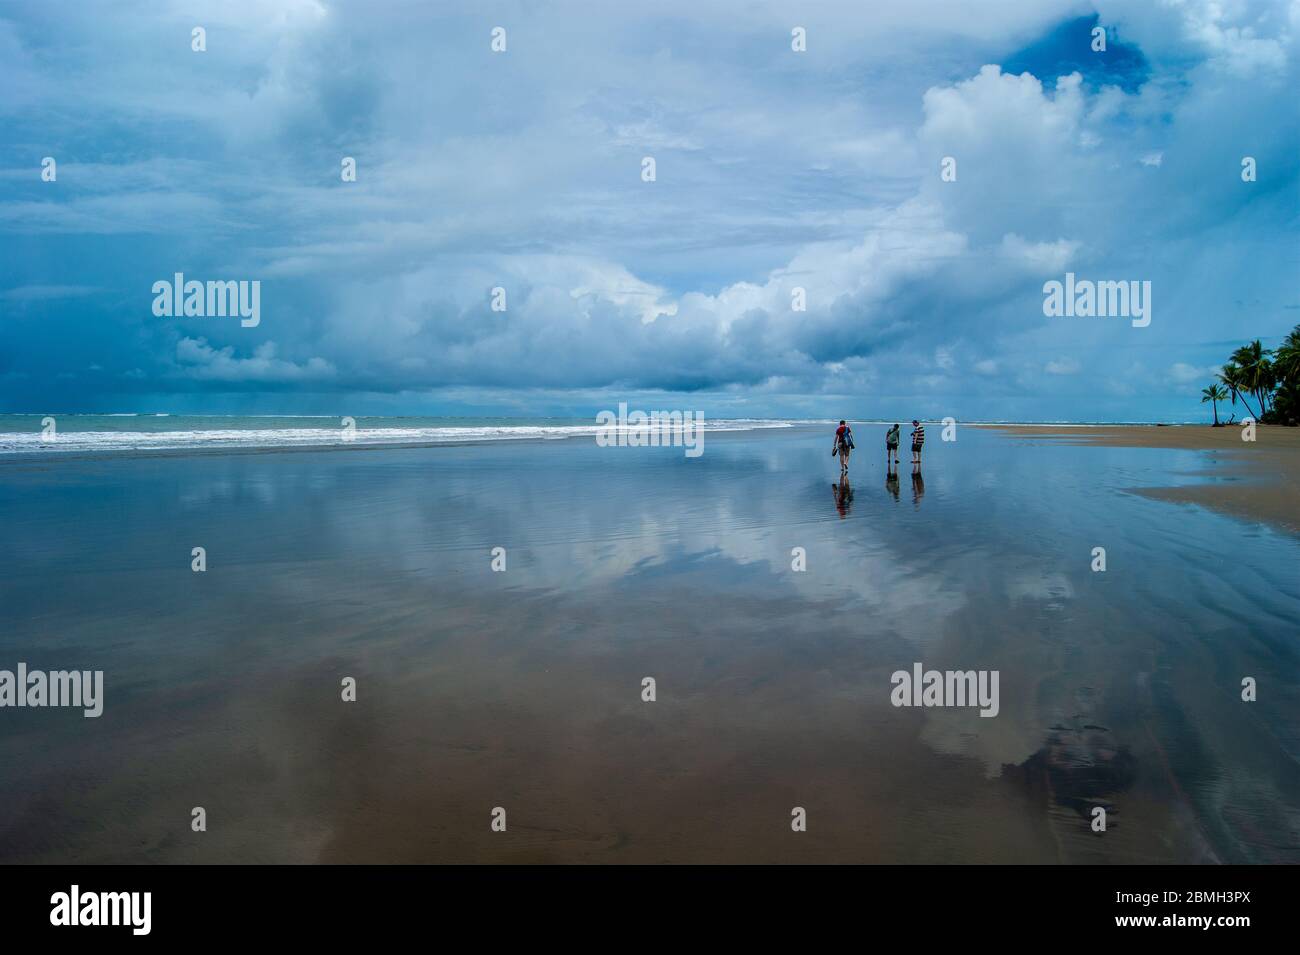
x: 522, y: 689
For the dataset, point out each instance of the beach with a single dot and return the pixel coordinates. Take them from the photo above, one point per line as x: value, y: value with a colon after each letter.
x: 522, y: 688
x: 1256, y: 480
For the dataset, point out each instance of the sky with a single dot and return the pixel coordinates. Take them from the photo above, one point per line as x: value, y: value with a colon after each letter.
x: 522, y: 169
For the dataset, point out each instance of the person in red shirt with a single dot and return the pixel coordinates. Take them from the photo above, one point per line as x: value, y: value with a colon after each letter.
x: 843, y: 445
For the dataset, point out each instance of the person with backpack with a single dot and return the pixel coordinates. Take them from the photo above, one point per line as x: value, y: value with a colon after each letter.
x: 891, y: 447
x: 843, y: 445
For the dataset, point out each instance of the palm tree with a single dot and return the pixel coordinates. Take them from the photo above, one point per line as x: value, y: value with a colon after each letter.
x: 1235, y: 379
x: 1286, y: 360
x: 1214, y: 393
x: 1256, y: 371
x: 1286, y: 366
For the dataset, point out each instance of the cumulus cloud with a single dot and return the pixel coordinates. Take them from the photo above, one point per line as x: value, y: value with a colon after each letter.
x: 1039, y: 256
x: 778, y: 183
x: 1062, y: 366
x: 203, y: 361
x: 1181, y: 373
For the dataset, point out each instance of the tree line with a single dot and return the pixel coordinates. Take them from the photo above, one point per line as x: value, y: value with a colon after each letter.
x: 1266, y: 382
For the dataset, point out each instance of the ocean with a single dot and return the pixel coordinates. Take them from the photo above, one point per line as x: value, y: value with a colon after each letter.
x: 88, y: 433
x: 31, y: 433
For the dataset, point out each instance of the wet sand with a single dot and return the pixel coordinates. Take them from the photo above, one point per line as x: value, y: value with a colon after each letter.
x: 522, y: 689
x: 1255, y: 481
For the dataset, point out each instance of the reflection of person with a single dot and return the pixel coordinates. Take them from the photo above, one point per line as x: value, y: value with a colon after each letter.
x: 843, y: 496
x: 891, y: 446
x: 891, y: 482
x: 918, y: 486
x: 843, y: 445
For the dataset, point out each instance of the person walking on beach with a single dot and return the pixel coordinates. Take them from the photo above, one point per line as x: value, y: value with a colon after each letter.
x: 891, y: 447
x: 918, y: 440
x: 843, y: 445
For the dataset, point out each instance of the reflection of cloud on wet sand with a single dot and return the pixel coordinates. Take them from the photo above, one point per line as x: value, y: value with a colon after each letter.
x: 521, y: 689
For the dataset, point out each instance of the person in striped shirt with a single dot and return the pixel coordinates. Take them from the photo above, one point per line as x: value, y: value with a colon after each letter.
x: 918, y: 439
